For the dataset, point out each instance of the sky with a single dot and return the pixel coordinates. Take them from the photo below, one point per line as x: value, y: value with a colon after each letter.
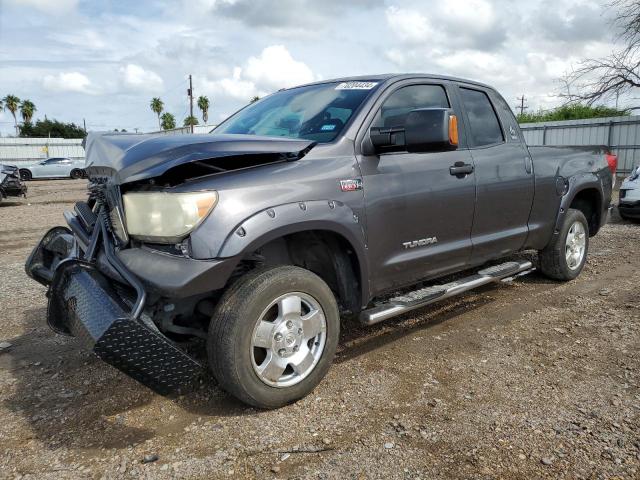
x: 103, y: 61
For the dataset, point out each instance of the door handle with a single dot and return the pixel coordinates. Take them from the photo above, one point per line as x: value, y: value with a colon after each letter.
x: 460, y: 169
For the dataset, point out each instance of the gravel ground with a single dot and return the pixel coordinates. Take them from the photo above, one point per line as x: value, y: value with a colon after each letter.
x: 532, y: 379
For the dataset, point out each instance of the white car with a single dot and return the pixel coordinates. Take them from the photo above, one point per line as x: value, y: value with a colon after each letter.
x: 54, y: 168
x: 629, y: 204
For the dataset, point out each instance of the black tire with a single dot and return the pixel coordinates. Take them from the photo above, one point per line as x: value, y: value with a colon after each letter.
x: 76, y: 174
x: 229, y: 345
x: 553, y: 261
x: 25, y: 175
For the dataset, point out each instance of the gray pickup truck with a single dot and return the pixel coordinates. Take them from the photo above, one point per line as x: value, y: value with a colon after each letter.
x: 342, y: 197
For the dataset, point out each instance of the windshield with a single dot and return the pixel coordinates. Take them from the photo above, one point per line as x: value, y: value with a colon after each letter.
x: 316, y: 112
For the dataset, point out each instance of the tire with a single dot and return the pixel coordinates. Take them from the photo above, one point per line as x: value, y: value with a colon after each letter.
x: 25, y: 175
x: 76, y: 174
x: 561, y: 261
x: 237, y: 362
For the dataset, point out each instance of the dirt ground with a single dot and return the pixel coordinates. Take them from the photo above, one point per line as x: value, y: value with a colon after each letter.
x: 532, y: 379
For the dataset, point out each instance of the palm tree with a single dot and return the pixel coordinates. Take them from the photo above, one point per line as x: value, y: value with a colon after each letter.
x: 203, y: 104
x: 157, y: 106
x: 27, y: 109
x: 11, y: 103
x: 168, y: 121
x: 190, y: 120
x: 254, y: 99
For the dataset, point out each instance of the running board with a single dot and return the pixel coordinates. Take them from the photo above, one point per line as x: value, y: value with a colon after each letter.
x: 428, y: 295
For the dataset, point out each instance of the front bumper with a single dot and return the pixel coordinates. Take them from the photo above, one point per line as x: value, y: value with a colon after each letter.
x: 106, y: 314
x: 630, y: 209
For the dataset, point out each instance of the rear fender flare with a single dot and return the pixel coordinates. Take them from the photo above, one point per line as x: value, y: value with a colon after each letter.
x: 575, y: 185
x: 278, y: 221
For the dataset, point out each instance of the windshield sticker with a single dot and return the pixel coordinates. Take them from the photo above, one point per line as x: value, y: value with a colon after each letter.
x: 327, y: 128
x: 356, y: 85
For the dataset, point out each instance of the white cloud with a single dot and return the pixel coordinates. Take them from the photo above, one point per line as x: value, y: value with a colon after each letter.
x: 67, y: 82
x: 137, y: 78
x: 272, y: 70
x: 55, y: 7
x: 410, y: 26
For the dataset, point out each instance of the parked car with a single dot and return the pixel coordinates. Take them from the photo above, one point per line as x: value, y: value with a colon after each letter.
x: 629, y: 203
x: 338, y: 197
x: 10, y: 183
x: 54, y: 168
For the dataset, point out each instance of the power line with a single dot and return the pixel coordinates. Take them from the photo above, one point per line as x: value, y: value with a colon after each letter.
x: 522, y: 106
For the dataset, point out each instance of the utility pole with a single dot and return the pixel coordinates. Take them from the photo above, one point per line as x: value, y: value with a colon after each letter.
x: 190, y: 93
x: 522, y: 106
x: 84, y: 122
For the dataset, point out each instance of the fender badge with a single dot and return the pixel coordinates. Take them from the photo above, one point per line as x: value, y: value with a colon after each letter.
x: 351, y: 185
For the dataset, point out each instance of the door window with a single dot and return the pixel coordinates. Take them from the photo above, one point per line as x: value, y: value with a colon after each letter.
x: 395, y: 109
x: 484, y: 125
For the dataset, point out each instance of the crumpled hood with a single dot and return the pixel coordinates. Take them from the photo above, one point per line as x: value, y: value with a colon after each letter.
x: 132, y: 157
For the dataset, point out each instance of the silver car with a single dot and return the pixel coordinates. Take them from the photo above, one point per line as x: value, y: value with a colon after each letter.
x: 54, y: 168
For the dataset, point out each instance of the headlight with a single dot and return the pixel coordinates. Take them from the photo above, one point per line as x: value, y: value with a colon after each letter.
x: 166, y: 217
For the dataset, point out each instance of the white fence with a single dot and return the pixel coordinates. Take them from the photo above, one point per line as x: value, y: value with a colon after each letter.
x: 620, y: 134
x: 23, y: 151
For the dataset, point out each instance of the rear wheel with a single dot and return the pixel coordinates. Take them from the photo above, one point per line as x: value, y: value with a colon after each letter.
x: 25, y: 175
x: 565, y: 256
x: 273, y: 336
x: 77, y: 173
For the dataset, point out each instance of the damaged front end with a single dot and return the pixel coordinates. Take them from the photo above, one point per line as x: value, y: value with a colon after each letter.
x: 128, y: 299
x: 105, y: 315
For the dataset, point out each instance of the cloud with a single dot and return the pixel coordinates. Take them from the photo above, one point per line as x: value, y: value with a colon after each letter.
x: 272, y: 70
x: 57, y: 7
x: 67, y: 82
x: 134, y: 77
x: 296, y: 14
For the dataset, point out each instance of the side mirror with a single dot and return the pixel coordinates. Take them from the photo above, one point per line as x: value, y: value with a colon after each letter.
x: 425, y: 130
x: 431, y: 130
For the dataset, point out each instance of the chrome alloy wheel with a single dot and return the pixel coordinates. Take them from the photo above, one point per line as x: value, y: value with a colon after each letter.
x: 575, y: 245
x: 288, y: 339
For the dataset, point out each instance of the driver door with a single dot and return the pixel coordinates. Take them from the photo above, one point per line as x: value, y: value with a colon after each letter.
x: 419, y: 215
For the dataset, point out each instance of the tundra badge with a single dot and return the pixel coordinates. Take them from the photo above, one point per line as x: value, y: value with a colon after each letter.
x: 420, y: 243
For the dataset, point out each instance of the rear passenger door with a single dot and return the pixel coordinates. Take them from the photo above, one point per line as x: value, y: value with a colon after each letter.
x: 503, y: 171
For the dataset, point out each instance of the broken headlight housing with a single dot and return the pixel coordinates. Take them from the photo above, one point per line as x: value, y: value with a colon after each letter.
x: 166, y: 217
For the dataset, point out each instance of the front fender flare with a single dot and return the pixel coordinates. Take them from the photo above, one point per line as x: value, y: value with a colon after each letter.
x: 278, y: 221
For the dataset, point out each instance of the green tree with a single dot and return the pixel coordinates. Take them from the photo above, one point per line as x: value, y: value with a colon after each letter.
x: 203, y: 104
x: 51, y: 128
x: 576, y: 111
x: 11, y: 103
x: 27, y: 109
x: 254, y: 99
x: 157, y: 106
x: 190, y: 120
x: 167, y: 121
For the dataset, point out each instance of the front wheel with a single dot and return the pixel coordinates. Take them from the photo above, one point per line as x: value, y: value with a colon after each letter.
x: 565, y: 256
x: 25, y: 175
x: 273, y: 336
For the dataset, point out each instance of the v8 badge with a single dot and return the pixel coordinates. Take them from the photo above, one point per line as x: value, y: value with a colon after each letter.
x: 351, y: 185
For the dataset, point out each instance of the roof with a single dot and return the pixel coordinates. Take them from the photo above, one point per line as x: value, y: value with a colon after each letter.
x: 384, y: 77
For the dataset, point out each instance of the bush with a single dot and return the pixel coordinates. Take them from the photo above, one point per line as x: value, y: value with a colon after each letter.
x: 571, y: 112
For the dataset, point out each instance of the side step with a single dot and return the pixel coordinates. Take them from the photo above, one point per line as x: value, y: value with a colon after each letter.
x: 428, y: 295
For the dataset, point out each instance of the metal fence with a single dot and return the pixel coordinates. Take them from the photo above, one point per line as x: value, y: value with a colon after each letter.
x: 24, y: 151
x: 620, y: 134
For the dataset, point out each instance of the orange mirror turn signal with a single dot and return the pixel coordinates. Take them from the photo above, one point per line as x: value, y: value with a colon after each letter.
x: 453, y: 130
